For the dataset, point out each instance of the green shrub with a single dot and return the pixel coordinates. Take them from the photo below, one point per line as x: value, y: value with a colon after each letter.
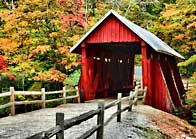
x: 193, y: 114
x: 73, y: 78
x: 6, y: 111
x: 191, y: 101
x: 36, y: 86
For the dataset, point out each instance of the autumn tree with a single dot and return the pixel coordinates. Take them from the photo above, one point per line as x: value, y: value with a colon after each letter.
x: 36, y: 36
x: 34, y: 42
x: 177, y: 27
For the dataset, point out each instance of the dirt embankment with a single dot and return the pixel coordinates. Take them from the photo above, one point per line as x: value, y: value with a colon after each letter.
x: 167, y: 124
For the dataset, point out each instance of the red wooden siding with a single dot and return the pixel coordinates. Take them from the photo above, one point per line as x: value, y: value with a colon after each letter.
x: 170, y: 83
x: 144, y: 63
x: 163, y: 81
x: 112, y: 30
x: 176, y: 76
x: 84, y: 78
x: 157, y: 95
x: 162, y: 99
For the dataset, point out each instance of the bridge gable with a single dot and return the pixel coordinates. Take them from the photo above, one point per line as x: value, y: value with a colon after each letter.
x: 112, y: 30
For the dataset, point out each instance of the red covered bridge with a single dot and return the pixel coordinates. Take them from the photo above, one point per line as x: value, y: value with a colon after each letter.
x: 108, y: 50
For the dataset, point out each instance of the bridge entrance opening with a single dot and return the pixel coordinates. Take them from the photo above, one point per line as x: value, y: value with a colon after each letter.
x: 111, y: 68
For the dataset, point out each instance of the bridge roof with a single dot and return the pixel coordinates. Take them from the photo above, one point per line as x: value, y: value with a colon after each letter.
x: 157, y: 44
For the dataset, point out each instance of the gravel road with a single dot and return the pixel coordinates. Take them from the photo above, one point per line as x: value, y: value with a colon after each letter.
x: 24, y: 125
x: 134, y: 124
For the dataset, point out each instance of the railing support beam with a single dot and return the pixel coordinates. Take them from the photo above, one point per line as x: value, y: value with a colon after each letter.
x: 64, y: 95
x: 100, y: 120
x: 60, y: 122
x: 12, y: 108
x: 130, y: 101
x: 43, y: 98
x: 119, y: 107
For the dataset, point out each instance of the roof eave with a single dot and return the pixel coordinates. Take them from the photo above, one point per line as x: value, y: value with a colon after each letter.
x: 164, y: 52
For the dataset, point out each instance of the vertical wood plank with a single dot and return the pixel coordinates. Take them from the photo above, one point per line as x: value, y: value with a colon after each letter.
x: 169, y: 83
x: 126, y: 32
x: 113, y: 28
x: 64, y: 95
x: 106, y: 34
x: 100, y: 120
x: 12, y: 107
x: 177, y: 77
x: 102, y: 35
x: 43, y: 98
x: 116, y: 30
x: 132, y: 68
x: 84, y: 82
x: 120, y: 33
x: 91, y: 76
x: 60, y: 122
x: 119, y: 107
x: 163, y: 100
x: 144, y: 64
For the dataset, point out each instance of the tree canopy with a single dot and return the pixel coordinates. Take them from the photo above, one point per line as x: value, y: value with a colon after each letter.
x: 35, y: 43
x: 177, y: 27
x: 35, y: 36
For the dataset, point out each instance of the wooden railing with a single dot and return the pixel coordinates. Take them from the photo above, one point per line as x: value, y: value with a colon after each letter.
x: 188, y: 84
x: 62, y: 124
x: 41, y: 93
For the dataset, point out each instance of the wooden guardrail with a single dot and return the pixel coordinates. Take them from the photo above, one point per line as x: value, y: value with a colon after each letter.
x: 42, y: 93
x: 188, y: 84
x: 62, y: 124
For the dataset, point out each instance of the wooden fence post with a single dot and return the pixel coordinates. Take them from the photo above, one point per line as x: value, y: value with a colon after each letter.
x: 130, y: 101
x: 78, y: 94
x: 12, y: 107
x: 60, y: 122
x: 187, y: 84
x: 100, y: 120
x: 119, y: 107
x: 136, y: 94
x: 144, y: 97
x: 64, y: 95
x: 43, y: 98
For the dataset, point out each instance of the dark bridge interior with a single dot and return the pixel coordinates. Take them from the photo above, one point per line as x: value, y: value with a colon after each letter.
x: 112, y: 67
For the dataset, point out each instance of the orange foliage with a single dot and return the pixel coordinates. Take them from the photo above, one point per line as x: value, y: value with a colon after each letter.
x: 50, y: 75
x: 7, y: 45
x: 194, y: 75
x: 39, y: 50
x: 185, y: 48
x: 63, y: 50
x: 169, y: 12
x: 193, y: 43
x: 179, y: 37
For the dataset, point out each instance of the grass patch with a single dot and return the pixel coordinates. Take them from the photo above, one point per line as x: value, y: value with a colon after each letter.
x: 150, y: 133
